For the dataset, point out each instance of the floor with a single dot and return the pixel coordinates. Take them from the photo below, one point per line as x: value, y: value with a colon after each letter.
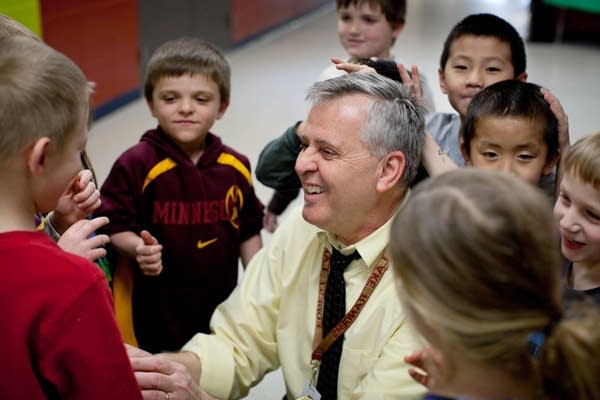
x: 270, y: 76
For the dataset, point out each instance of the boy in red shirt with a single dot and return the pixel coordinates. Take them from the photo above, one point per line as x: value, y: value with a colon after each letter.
x: 60, y: 339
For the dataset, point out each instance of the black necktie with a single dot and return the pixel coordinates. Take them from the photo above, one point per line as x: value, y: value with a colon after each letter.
x: 334, y: 309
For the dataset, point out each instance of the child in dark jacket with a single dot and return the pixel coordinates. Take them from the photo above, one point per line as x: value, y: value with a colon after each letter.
x: 181, y: 203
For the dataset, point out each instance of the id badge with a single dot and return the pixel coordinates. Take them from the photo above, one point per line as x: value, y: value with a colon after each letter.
x: 310, y: 393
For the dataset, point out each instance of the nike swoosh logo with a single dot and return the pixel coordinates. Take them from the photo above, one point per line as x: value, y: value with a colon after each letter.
x: 202, y: 244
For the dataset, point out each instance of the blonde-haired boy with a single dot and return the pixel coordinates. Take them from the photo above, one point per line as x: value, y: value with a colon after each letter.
x: 68, y: 223
x: 577, y: 213
x: 58, y: 305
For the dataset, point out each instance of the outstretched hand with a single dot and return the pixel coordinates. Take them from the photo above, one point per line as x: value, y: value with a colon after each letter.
x: 411, y: 80
x: 77, y: 239
x: 160, y: 378
x: 351, y: 67
x: 149, y: 254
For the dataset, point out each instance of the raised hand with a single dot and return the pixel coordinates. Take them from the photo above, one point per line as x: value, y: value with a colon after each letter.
x: 413, y: 81
x: 351, y: 67
x: 561, y: 118
x: 564, y: 141
x: 79, y: 199
x: 149, y: 254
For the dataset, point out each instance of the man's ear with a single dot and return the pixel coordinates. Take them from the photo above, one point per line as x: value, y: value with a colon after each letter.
x: 392, y: 167
x: 222, y: 109
x: 37, y: 155
x: 442, y: 78
x: 463, y: 151
x: 551, y: 163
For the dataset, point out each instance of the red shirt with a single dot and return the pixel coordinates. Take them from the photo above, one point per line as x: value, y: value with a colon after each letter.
x: 59, y: 337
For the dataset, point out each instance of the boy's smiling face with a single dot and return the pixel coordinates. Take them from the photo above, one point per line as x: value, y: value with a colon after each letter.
x: 474, y: 63
x: 365, y: 32
x: 186, y: 107
x: 577, y: 212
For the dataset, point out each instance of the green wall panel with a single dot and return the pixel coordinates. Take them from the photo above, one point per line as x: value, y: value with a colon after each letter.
x: 26, y: 12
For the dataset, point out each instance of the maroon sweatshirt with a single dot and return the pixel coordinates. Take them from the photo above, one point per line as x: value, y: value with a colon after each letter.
x: 200, y: 213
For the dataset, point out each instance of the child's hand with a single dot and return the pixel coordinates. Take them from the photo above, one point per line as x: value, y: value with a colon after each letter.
x: 76, y: 239
x: 78, y: 200
x: 412, y: 81
x: 149, y: 254
x: 429, y: 360
x: 561, y: 117
x: 351, y: 67
x: 270, y: 221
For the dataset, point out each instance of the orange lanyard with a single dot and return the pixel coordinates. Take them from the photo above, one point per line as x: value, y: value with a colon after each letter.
x: 320, y: 344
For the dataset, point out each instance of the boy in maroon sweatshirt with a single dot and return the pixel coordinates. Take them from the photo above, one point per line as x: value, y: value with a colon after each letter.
x: 181, y: 203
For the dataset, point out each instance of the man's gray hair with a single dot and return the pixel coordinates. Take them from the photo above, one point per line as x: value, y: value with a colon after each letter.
x: 393, y: 122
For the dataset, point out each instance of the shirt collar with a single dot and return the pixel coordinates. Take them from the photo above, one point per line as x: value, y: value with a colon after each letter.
x: 370, y: 247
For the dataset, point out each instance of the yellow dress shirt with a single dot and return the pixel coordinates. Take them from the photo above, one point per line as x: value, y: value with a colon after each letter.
x: 269, y: 321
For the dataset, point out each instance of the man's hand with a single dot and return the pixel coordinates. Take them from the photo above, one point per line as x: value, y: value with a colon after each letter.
x: 161, y: 378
